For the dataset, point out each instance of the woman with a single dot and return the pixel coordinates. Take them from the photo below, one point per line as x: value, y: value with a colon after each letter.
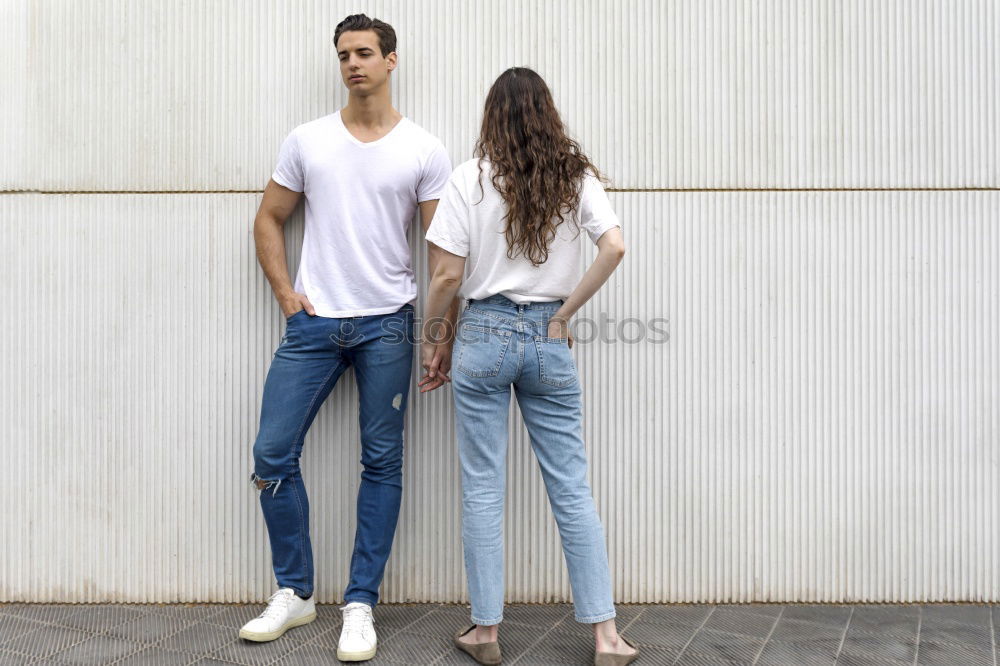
x: 513, y: 218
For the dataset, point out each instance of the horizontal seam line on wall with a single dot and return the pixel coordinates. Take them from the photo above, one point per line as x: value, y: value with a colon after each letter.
x: 665, y: 189
x: 814, y: 189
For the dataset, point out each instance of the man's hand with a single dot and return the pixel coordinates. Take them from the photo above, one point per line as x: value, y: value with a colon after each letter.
x: 436, y: 362
x: 292, y: 301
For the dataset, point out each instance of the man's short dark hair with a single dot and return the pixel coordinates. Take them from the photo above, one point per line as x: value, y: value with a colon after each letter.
x: 386, y: 35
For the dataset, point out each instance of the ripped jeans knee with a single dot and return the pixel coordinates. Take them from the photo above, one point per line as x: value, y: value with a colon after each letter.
x: 273, y: 462
x: 264, y: 484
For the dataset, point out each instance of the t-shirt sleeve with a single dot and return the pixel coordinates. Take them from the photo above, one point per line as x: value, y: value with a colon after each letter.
x: 435, y: 174
x: 288, y: 172
x: 449, y: 228
x: 596, y: 214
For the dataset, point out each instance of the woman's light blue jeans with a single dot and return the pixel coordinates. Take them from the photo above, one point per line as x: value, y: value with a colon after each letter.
x: 500, y: 344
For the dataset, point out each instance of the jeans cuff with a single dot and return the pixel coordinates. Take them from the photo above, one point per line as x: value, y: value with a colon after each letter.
x: 299, y: 592
x: 594, y: 619
x: 360, y: 600
x: 487, y: 623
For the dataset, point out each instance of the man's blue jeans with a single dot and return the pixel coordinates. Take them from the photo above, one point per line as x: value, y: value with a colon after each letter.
x: 311, y: 357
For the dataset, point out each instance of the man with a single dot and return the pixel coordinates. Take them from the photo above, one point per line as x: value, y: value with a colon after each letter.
x: 364, y: 171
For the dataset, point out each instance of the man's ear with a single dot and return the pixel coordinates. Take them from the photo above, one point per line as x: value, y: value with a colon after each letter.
x: 391, y: 58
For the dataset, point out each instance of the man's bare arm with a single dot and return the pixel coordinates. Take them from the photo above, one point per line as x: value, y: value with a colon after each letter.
x: 427, y: 209
x: 442, y: 352
x: 269, y: 237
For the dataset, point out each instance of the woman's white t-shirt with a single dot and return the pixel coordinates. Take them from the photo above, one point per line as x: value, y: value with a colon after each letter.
x: 360, y: 200
x: 468, y: 227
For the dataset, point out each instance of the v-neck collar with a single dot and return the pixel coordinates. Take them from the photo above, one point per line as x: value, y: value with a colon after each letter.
x: 355, y: 140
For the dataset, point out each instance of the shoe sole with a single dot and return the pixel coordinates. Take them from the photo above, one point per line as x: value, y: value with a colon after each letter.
x: 265, y: 636
x: 356, y: 656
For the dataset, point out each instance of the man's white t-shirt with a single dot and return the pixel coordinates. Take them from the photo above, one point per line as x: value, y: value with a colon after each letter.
x: 468, y: 227
x: 360, y: 200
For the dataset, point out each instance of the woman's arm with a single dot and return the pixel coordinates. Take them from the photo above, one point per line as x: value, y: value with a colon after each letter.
x: 610, y: 250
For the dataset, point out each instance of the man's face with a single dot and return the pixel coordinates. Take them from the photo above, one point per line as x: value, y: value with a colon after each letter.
x: 361, y: 63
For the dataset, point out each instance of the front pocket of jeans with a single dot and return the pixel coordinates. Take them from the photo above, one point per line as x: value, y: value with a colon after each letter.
x: 481, y: 350
x: 555, y: 362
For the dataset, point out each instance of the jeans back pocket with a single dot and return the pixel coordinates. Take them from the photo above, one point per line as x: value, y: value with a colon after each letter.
x: 555, y: 362
x: 481, y: 350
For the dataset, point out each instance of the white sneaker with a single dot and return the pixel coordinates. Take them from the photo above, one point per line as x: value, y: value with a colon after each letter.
x: 284, y: 611
x: 357, y: 639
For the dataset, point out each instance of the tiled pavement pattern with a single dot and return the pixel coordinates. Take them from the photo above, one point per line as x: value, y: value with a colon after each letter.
x: 793, y: 635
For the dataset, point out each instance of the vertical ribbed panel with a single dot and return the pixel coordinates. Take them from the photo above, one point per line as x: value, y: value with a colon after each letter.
x: 127, y: 95
x: 14, y: 77
x: 820, y: 425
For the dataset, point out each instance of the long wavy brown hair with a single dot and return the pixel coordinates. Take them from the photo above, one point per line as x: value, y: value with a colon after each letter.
x: 536, y: 168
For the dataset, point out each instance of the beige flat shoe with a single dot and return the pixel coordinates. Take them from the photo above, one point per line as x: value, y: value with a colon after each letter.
x: 483, y: 653
x: 610, y: 659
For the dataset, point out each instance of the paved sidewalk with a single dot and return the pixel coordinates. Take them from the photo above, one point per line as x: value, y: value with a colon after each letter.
x: 790, y: 635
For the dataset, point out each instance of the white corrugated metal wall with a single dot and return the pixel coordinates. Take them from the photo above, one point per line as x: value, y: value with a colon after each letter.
x: 810, y: 196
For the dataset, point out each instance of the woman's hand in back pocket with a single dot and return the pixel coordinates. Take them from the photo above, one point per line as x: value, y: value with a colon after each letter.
x: 559, y: 328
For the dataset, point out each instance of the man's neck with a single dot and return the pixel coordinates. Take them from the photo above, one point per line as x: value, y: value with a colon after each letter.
x: 372, y: 111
